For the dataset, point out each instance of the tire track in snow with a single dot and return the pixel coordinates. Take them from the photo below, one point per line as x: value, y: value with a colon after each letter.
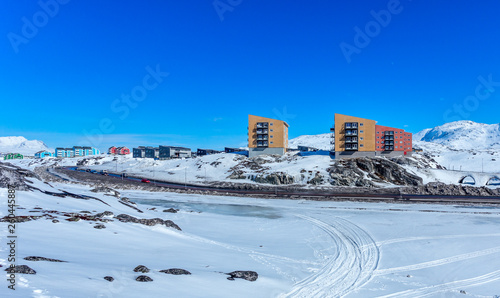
x: 439, y: 262
x: 450, y: 286
x: 397, y: 240
x: 348, y: 269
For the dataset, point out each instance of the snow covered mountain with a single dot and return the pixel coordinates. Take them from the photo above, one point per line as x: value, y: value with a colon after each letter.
x: 21, y: 145
x: 321, y: 141
x: 463, y: 135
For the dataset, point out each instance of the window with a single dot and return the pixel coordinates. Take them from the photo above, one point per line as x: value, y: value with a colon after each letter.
x: 271, y: 130
x: 377, y: 147
x: 271, y: 124
x: 361, y: 124
x: 361, y: 138
x: 271, y: 136
x: 361, y: 145
x: 378, y: 137
x: 361, y: 131
x: 401, y: 142
x: 272, y: 142
x: 378, y: 143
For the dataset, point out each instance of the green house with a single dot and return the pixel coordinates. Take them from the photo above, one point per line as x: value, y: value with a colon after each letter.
x: 13, y: 156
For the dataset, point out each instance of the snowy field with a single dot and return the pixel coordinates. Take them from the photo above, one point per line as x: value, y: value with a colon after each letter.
x: 298, y: 248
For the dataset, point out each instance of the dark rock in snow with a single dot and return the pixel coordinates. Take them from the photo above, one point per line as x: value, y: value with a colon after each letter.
x: 22, y: 269
x: 176, y: 271
x: 141, y: 268
x: 109, y: 278
x: 36, y: 259
x: 99, y: 226
x: 247, y: 275
x: 143, y: 278
x: 171, y: 210
x: 55, y: 221
x: 147, y: 222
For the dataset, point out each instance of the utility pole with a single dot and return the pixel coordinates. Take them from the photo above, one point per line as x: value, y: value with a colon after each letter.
x: 482, y: 165
x: 185, y: 177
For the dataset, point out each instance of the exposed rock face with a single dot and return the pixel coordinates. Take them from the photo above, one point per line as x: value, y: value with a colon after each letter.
x: 144, y: 278
x: 141, y: 268
x: 176, y: 271
x: 438, y: 188
x: 103, y: 214
x: 355, y: 171
x: 14, y: 176
x: 247, y: 275
x: 275, y: 179
x: 99, y: 226
x: 318, y: 179
x: 36, y: 259
x: 109, y: 278
x: 148, y: 222
x: 22, y: 269
x: 106, y: 191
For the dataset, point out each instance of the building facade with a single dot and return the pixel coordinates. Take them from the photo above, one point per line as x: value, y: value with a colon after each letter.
x: 118, y: 150
x: 43, y: 154
x: 76, y: 151
x: 266, y: 136
x: 360, y: 137
x: 139, y: 152
x: 201, y: 152
x: 13, y: 156
x: 167, y: 152
x: 152, y: 152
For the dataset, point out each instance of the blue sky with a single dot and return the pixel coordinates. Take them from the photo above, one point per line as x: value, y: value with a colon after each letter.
x: 193, y: 70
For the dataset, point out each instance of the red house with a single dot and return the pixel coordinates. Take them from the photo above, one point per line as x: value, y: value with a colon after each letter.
x: 112, y: 150
x: 392, y: 139
x: 122, y: 150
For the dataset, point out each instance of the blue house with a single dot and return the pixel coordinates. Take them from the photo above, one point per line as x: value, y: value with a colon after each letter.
x: 76, y: 151
x: 43, y: 154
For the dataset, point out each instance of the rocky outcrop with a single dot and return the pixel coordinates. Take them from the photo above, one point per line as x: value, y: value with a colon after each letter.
x: 176, y: 271
x: 278, y: 178
x: 13, y: 176
x: 365, y: 172
x: 141, y: 268
x: 147, y: 222
x: 106, y: 190
x: 109, y: 278
x: 99, y: 226
x: 442, y: 189
x: 246, y: 275
x: 22, y: 269
x: 36, y: 259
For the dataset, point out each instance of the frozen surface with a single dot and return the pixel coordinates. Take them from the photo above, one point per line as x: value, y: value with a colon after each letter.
x: 298, y: 248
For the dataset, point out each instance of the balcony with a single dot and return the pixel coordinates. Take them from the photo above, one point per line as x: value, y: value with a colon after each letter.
x: 389, y: 133
x: 351, y: 125
x: 262, y: 144
x: 262, y: 124
x: 262, y: 131
x: 351, y: 147
x: 388, y: 137
x: 262, y: 138
x: 389, y: 148
x: 351, y: 140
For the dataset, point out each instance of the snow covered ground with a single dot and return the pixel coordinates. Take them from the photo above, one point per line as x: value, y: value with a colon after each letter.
x: 298, y: 248
x: 21, y: 145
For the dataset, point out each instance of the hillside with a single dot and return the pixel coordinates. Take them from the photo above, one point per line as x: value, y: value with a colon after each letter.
x: 321, y: 141
x: 21, y: 145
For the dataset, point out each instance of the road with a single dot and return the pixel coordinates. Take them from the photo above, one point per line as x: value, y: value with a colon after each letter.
x: 306, y: 194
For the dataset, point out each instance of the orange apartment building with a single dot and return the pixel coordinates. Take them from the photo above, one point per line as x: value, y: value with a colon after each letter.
x: 266, y: 136
x: 357, y: 137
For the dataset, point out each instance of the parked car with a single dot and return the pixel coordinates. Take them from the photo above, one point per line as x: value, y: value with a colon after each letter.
x: 124, y: 175
x: 87, y: 170
x: 145, y: 181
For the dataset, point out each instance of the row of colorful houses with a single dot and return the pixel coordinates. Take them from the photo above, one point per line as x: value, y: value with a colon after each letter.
x: 75, y: 151
x: 13, y: 156
x: 118, y: 150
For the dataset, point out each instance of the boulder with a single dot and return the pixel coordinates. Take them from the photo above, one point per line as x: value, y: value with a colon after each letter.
x: 176, y: 271
x: 36, y: 259
x: 109, y: 278
x: 246, y: 275
x: 21, y: 269
x: 144, y: 278
x: 141, y: 268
